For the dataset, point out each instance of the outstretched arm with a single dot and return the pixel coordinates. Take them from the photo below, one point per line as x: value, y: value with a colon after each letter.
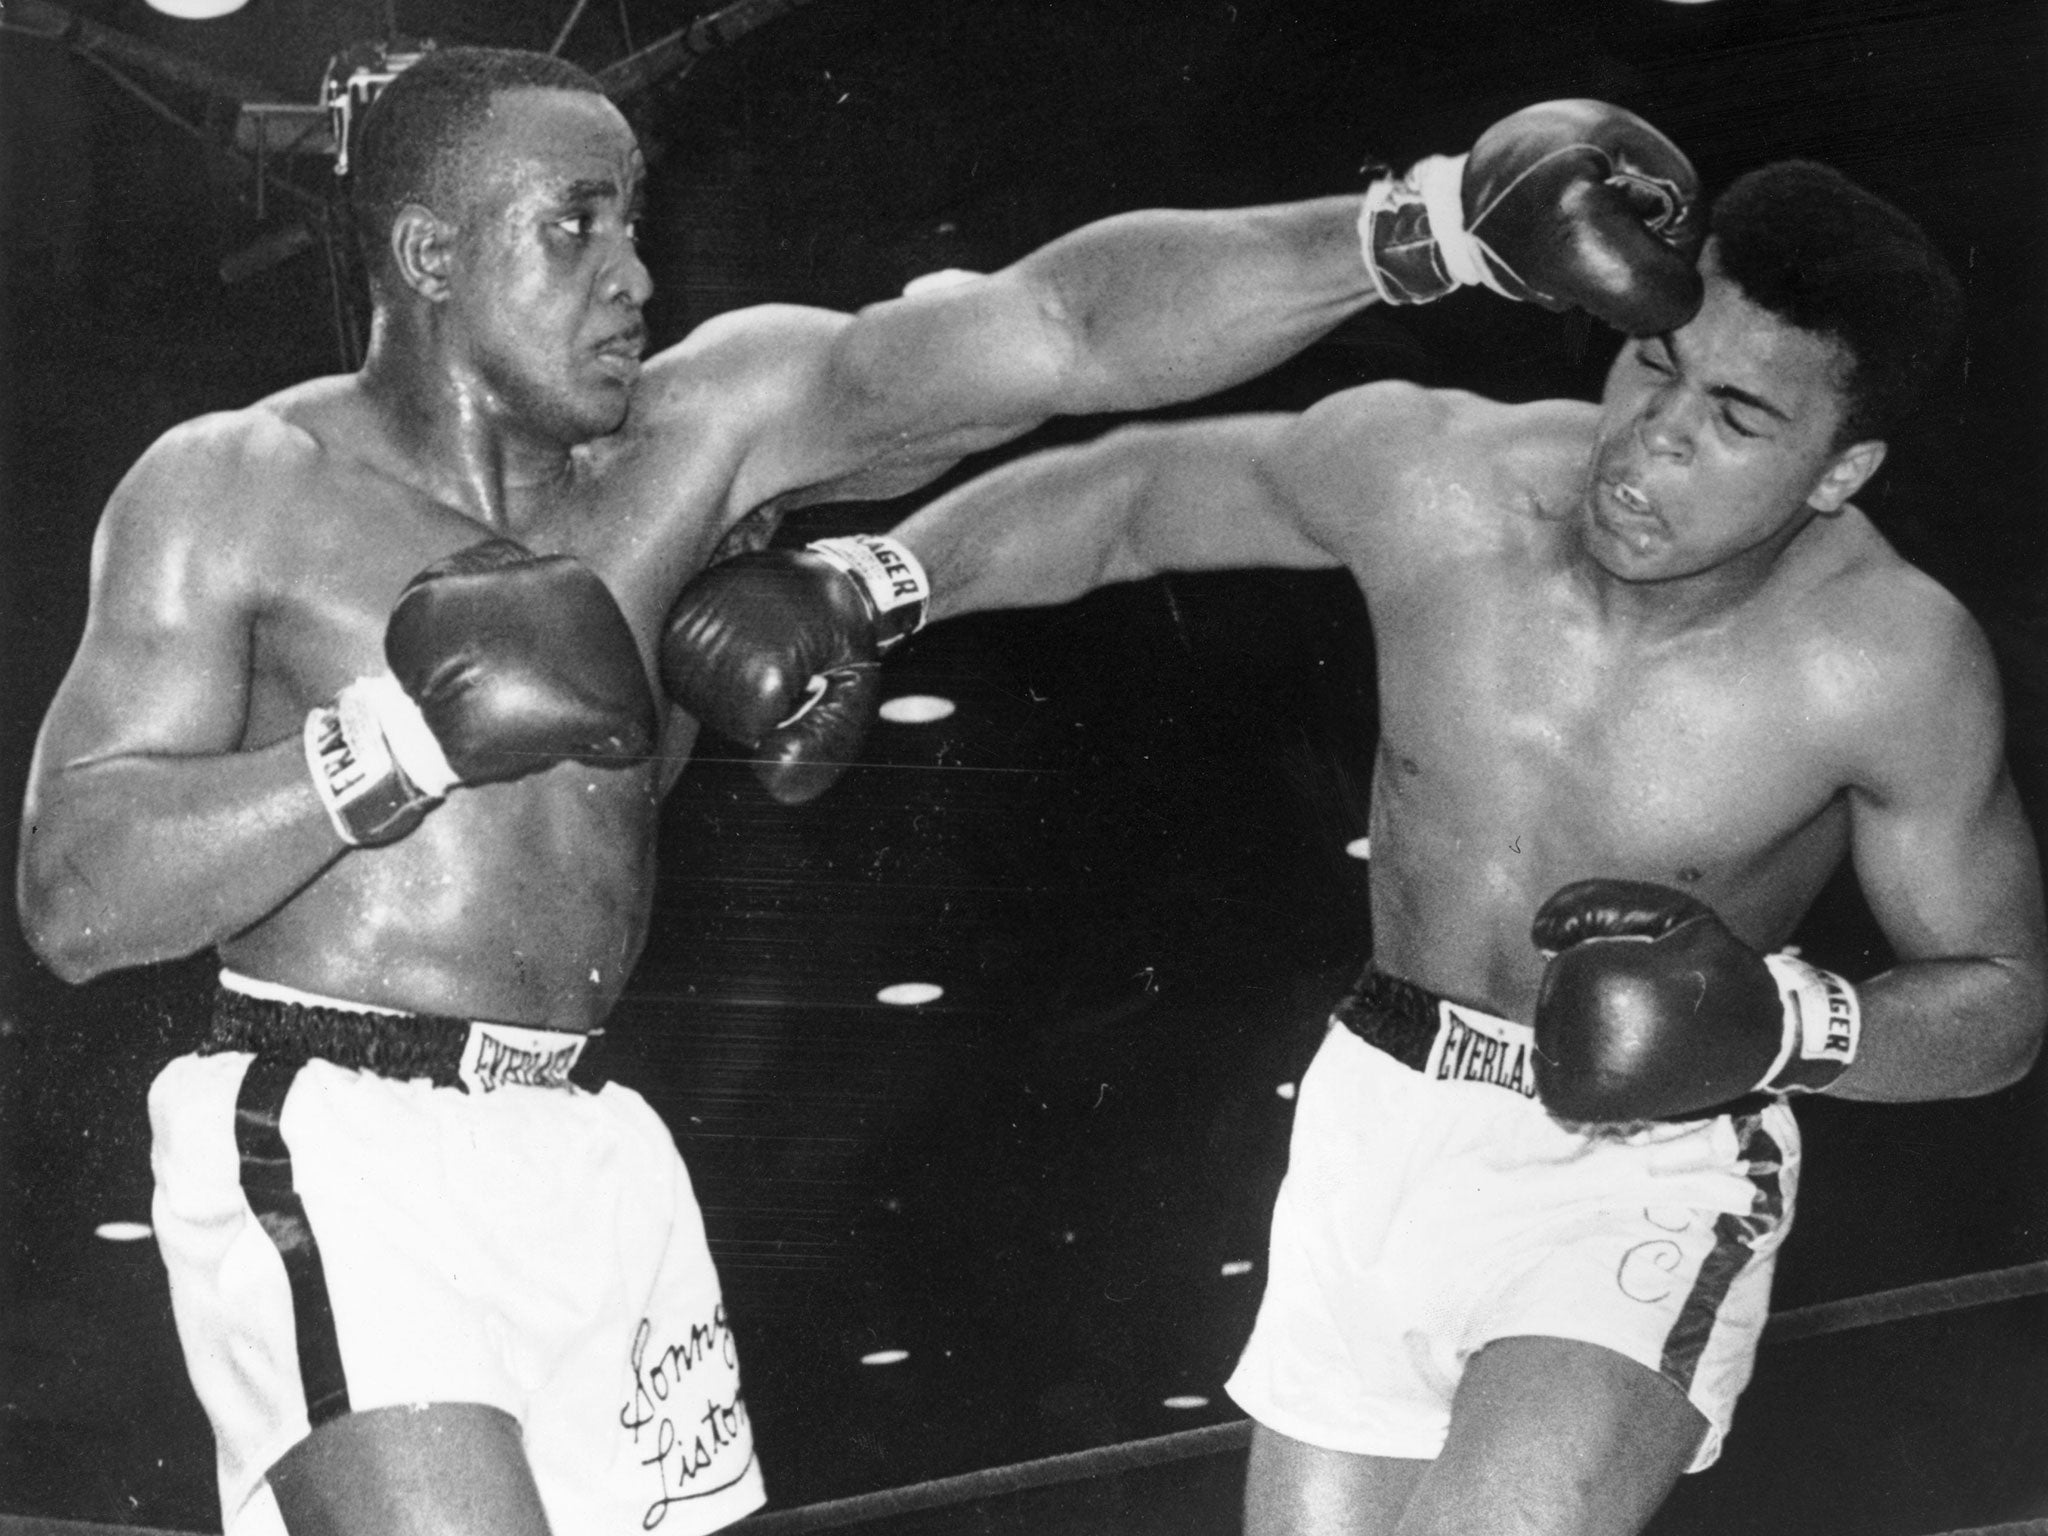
x: 1566, y: 204
x: 777, y: 649
x: 1141, y: 500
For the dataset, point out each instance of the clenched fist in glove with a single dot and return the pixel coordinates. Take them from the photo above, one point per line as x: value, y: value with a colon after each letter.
x: 779, y: 650
x: 1569, y: 204
x: 503, y: 663
x: 1650, y: 1009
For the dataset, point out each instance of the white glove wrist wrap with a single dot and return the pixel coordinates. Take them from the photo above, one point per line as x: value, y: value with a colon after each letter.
x: 888, y: 573
x: 374, y: 762
x: 1412, y: 235
x: 1441, y: 180
x: 413, y: 745
x: 1823, y: 1025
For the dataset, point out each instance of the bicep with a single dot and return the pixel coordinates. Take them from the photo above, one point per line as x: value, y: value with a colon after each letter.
x: 1225, y: 493
x: 1940, y: 841
x: 894, y: 395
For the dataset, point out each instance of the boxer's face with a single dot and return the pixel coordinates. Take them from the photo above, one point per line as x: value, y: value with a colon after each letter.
x: 1715, y: 439
x: 547, y: 285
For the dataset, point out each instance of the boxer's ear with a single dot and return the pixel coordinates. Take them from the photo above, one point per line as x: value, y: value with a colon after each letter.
x: 422, y: 250
x: 1844, y: 476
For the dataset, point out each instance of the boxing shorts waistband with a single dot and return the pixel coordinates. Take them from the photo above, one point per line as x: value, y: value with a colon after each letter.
x: 1442, y: 1039
x: 283, y: 1025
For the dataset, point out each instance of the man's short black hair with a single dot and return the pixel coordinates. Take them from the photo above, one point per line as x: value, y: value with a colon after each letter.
x: 1804, y: 242
x: 412, y: 139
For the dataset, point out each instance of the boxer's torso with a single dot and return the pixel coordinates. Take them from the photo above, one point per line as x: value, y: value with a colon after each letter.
x: 526, y: 901
x: 1528, y: 739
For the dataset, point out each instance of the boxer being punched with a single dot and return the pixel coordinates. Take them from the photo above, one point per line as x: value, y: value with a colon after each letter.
x: 367, y: 703
x: 1646, y: 678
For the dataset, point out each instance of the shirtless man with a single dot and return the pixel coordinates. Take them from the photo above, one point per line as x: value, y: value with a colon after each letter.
x: 364, y: 703
x: 1646, y: 678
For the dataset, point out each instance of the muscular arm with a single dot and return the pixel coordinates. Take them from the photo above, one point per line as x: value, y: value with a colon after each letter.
x: 1047, y: 528
x: 1236, y: 491
x: 1948, y: 864
x: 1131, y: 312
x: 148, y: 833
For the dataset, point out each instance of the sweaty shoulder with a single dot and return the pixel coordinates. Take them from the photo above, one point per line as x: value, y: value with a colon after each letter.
x: 208, y: 467
x: 209, y: 490
x: 1894, y: 661
x: 1395, y: 456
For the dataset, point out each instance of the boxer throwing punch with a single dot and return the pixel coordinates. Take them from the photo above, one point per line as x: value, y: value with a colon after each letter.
x: 365, y: 703
x: 1646, y: 678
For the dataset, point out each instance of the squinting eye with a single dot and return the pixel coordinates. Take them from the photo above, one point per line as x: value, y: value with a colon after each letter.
x: 1652, y: 362
x: 1738, y: 428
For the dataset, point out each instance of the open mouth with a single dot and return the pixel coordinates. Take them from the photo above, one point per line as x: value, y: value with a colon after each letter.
x: 1628, y: 515
x: 621, y: 354
x: 1630, y: 499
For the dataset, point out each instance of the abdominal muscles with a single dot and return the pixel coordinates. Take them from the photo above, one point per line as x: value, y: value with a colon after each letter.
x: 523, y: 902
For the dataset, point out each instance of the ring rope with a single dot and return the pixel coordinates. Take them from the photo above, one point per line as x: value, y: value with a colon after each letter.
x: 1892, y: 1306
x: 1910, y: 1301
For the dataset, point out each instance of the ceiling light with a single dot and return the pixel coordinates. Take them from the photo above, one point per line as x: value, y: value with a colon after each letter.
x: 916, y: 709
x: 196, y: 10
x: 911, y: 994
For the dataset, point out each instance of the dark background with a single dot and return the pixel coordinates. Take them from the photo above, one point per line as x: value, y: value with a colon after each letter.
x: 1123, y: 857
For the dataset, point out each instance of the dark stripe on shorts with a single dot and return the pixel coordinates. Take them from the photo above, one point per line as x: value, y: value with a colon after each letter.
x: 267, y: 1181
x: 1735, y: 1239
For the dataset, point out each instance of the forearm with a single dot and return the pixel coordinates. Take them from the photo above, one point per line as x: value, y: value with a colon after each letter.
x: 1945, y: 1029
x: 139, y: 859
x: 1038, y: 531
x: 1163, y: 306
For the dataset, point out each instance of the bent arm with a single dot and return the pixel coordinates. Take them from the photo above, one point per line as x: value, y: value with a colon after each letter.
x: 147, y: 833
x: 1948, y: 864
x: 1045, y: 529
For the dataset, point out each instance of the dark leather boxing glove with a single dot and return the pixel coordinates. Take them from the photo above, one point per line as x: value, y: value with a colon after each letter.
x: 503, y: 663
x: 779, y: 650
x: 1568, y: 204
x: 1650, y: 1009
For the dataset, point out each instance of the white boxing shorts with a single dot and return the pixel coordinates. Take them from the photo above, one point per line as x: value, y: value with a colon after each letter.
x: 1432, y: 1206
x: 446, y: 1219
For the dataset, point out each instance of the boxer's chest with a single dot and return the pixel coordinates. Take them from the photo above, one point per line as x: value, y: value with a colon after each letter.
x: 1573, y: 748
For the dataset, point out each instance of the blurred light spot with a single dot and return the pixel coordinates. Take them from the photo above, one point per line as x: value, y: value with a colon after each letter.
x: 1359, y: 847
x: 196, y: 10
x: 885, y: 1357
x: 908, y: 994
x: 916, y: 709
x: 1285, y: 1090
x: 122, y: 1231
x: 1237, y: 1267
x: 1187, y: 1400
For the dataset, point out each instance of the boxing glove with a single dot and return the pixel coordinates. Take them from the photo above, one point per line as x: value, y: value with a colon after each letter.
x: 503, y: 663
x: 779, y: 650
x: 1568, y: 204
x: 1650, y: 1009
